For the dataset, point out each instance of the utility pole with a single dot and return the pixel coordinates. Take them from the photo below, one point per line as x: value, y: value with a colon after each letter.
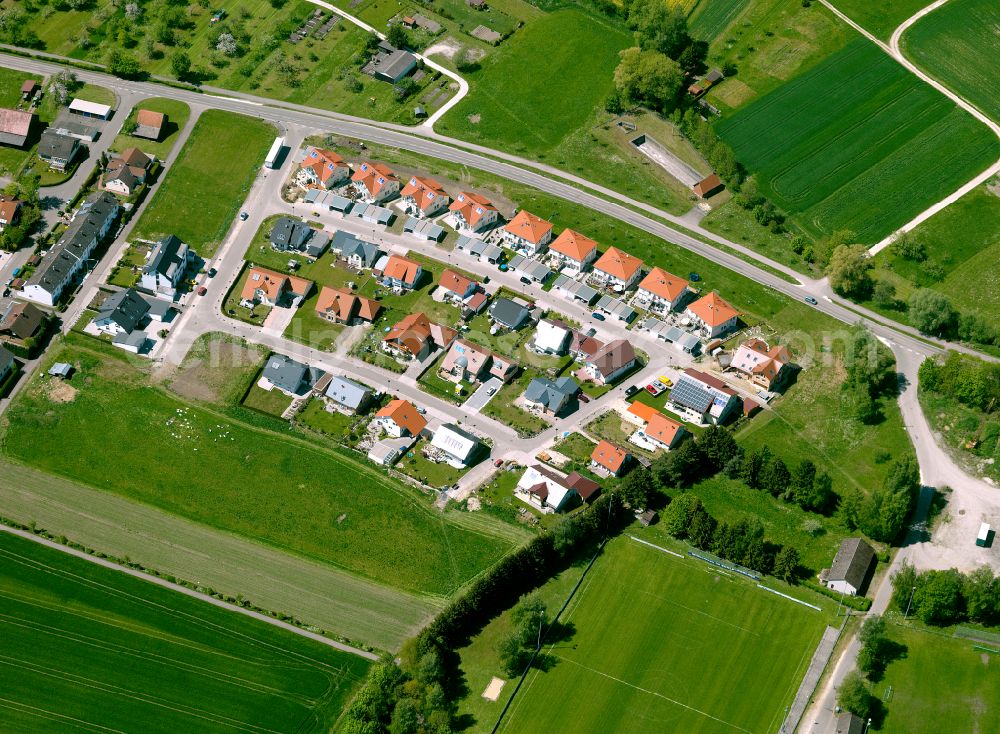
x: 907, y: 613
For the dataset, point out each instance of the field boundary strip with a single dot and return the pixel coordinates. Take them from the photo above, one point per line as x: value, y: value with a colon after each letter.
x: 194, y: 594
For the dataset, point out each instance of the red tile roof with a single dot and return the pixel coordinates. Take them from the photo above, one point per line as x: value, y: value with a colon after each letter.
x: 663, y: 284
x: 713, y: 310
x: 325, y: 164
x: 148, y: 118
x: 273, y: 284
x: 573, y: 245
x: 374, y: 177
x: 472, y: 207
x: 344, y: 305
x: 402, y: 269
x: 403, y: 414
x: 529, y: 227
x: 425, y: 192
x: 618, y: 264
x: 609, y: 456
x: 454, y: 283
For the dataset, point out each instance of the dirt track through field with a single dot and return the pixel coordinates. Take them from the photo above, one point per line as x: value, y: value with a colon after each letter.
x: 318, y: 594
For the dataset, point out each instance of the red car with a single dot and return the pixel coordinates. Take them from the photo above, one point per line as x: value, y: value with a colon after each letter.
x: 202, y: 291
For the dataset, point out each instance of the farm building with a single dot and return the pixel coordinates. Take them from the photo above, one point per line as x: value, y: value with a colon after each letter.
x: 15, y: 126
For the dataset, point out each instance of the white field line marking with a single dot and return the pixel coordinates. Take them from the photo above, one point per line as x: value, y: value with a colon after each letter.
x: 653, y: 545
x: 790, y: 598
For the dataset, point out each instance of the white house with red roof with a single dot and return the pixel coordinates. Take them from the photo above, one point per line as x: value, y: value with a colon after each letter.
x: 608, y: 458
x: 425, y: 196
x: 375, y: 182
x: 572, y: 252
x: 713, y: 315
x: 527, y: 233
x: 617, y: 269
x: 401, y: 273
x: 455, y: 287
x: 399, y: 418
x: 550, y: 491
x: 323, y: 168
x: 661, y: 291
x: 473, y: 211
x: 703, y: 398
x: 765, y: 366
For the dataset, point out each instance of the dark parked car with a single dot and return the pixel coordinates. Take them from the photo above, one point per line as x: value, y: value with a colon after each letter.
x: 583, y: 397
x: 598, y: 316
x: 631, y: 390
x: 212, y: 272
x: 525, y: 279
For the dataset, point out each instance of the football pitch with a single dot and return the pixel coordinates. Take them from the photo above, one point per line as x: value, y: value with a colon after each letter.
x: 88, y: 649
x: 666, y: 644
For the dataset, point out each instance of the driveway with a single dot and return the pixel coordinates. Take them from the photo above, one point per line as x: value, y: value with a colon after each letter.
x: 483, y: 395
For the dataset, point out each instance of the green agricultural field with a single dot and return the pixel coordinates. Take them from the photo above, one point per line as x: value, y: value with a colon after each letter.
x: 323, y: 503
x: 86, y: 648
x: 653, y: 644
x: 859, y: 139
x: 177, y: 116
x: 958, y: 44
x: 940, y: 679
x: 880, y: 18
x: 208, y: 182
x: 711, y: 17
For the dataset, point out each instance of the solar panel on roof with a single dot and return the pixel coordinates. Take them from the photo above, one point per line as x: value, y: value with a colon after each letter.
x: 691, y: 395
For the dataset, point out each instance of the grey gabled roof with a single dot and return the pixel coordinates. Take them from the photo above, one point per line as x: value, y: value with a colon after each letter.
x: 396, y: 64
x: 56, y: 145
x: 317, y: 244
x: 285, y: 372
x: 848, y: 723
x: 135, y: 339
x: 166, y: 257
x: 419, y: 226
x: 553, y: 395
x: 851, y: 564
x: 347, y: 392
x: 126, y: 308
x: 508, y: 313
x: 289, y: 233
x: 349, y: 245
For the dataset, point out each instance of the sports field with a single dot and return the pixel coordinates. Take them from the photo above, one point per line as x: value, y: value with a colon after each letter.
x: 208, y: 182
x: 88, y: 649
x: 858, y: 143
x: 117, y: 433
x: 959, y: 44
x: 669, y: 645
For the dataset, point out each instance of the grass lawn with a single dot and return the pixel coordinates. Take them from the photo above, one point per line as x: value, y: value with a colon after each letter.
x: 97, y: 94
x: 861, y: 137
x: 232, y: 308
x: 127, y: 270
x: 177, y: 115
x: 428, y: 472
x: 958, y: 44
x: 940, y: 679
x: 307, y: 327
x: 273, y: 402
x: 92, y: 648
x: 680, y: 646
x: 337, y: 425
x: 710, y: 19
x: 329, y: 505
x: 208, y: 182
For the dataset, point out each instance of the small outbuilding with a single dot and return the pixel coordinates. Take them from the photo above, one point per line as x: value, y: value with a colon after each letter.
x: 90, y: 109
x: 708, y: 186
x: 850, y: 568
x: 62, y: 370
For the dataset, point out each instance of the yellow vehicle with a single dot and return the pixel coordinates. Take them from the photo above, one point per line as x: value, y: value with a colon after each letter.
x: 666, y: 381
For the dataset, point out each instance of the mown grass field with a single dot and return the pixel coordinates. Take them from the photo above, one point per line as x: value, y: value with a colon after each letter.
x: 958, y: 44
x: 860, y: 138
x: 667, y: 644
x: 208, y: 182
x: 940, y: 679
x: 880, y: 18
x: 711, y: 17
x: 323, y: 503
x: 86, y: 648
x: 177, y: 115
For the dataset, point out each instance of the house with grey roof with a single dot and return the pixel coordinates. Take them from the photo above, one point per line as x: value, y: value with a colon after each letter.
x: 121, y: 312
x: 347, y: 394
x: 509, y: 314
x: 287, y: 375
x: 358, y: 253
x: 58, y: 150
x: 164, y: 272
x: 289, y: 234
x: 850, y: 568
x: 612, y: 361
x: 551, y: 397
x: 849, y: 723
x: 131, y: 341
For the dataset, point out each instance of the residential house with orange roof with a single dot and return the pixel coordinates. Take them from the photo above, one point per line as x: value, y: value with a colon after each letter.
x: 468, y: 361
x: 424, y: 196
x: 713, y: 315
x: 10, y: 211
x: 527, y: 233
x: 661, y: 291
x: 270, y: 288
x: 401, y: 273
x: 656, y: 430
x: 455, y: 287
x: 375, y: 182
x: 766, y: 366
x: 415, y: 336
x: 399, y: 418
x: 617, y: 269
x: 323, y: 168
x: 473, y: 211
x: 343, y: 307
x: 573, y: 251
x: 609, y: 458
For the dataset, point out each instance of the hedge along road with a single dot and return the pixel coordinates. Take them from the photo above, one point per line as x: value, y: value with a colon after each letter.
x: 315, y: 592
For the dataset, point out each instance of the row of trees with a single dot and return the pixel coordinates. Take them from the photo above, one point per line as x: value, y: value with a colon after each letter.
x: 970, y: 381
x: 948, y: 597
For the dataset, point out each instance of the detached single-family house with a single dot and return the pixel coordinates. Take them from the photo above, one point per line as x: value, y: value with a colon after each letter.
x: 375, y: 182
x: 415, y: 336
x: 611, y: 361
x: 703, y: 398
x: 126, y: 172
x: 288, y: 376
x: 470, y: 362
x: 573, y: 251
x: 582, y: 346
x: 850, y: 567
x: 399, y: 418
x: 527, y: 233
x: 550, y: 491
x: 15, y: 126
x: 617, y: 269
x: 7, y: 364
x: 323, y: 168
x: 164, y: 272
x: 609, y: 458
x: 401, y: 273
x: 458, y: 445
x: 509, y: 314
x: 474, y: 212
x: 58, y: 150
x: 764, y: 366
x: 551, y: 397
x: 712, y: 315
x: 551, y: 337
x: 455, y: 287
x: 661, y: 291
x: 656, y: 430
x: 121, y: 312
x: 341, y: 306
x: 425, y: 196
x: 149, y: 124
x: 359, y: 254
x: 20, y: 321
x: 10, y: 211
x: 273, y: 289
x: 347, y: 394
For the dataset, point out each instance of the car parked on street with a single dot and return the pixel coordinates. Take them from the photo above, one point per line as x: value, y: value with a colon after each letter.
x: 598, y: 316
